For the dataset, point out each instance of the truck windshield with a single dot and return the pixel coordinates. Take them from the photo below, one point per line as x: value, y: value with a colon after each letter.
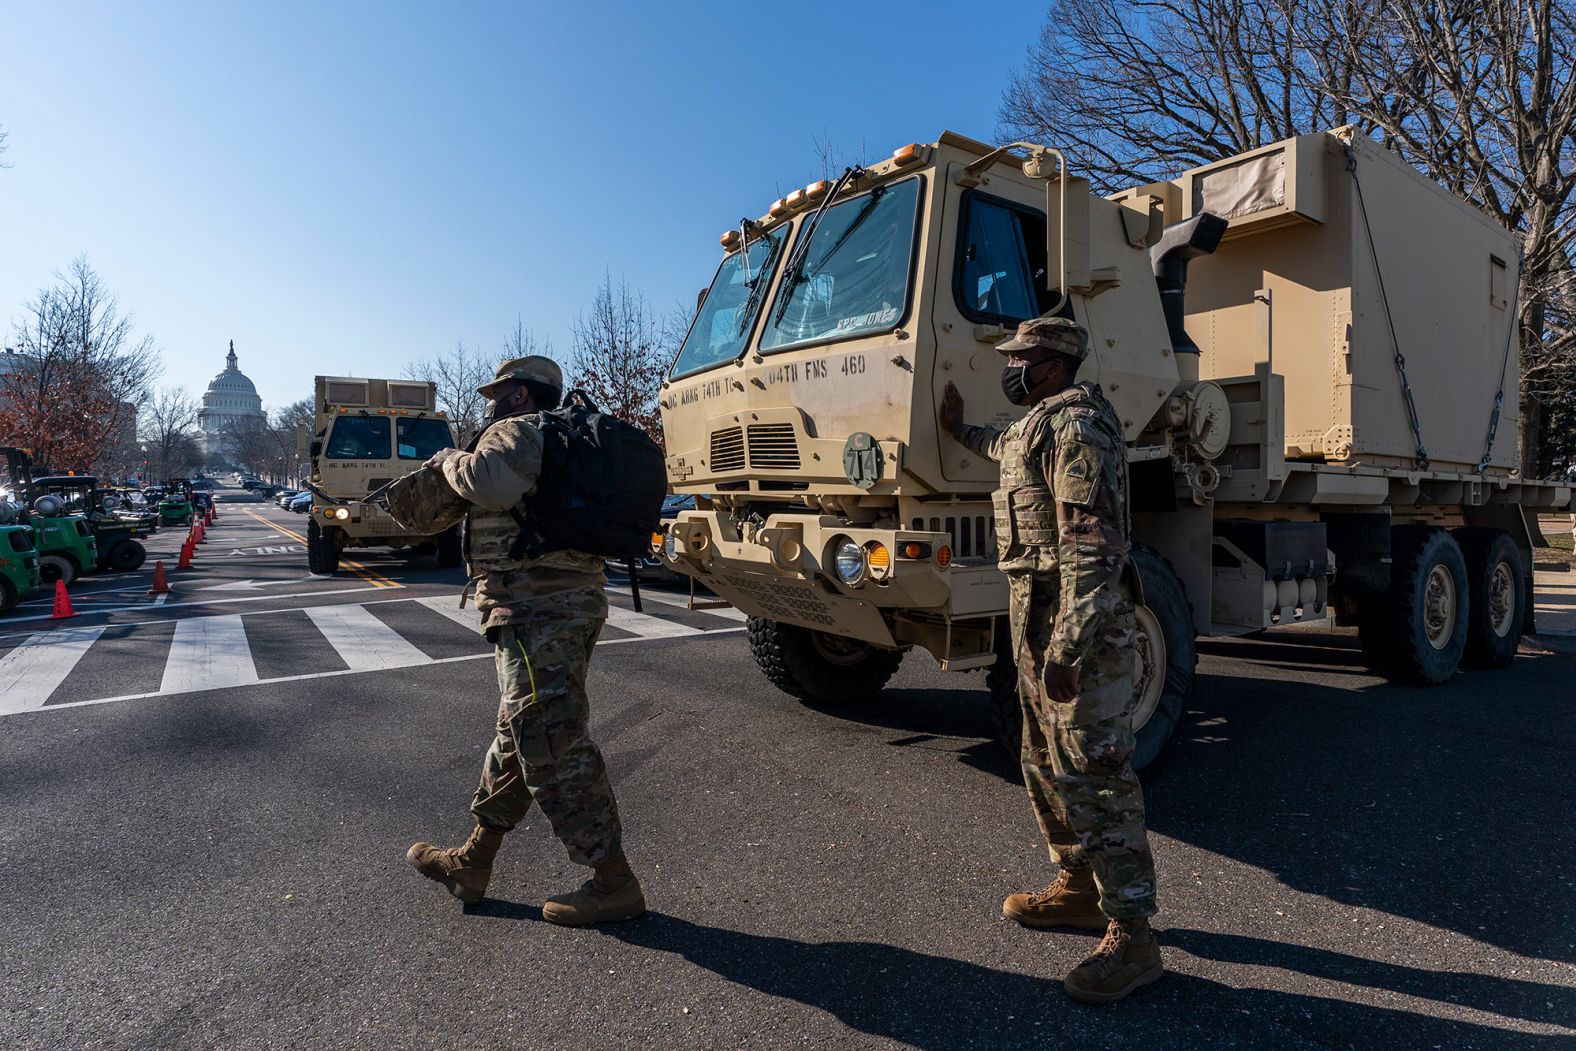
x: 728, y: 312
x: 420, y: 438
x: 855, y: 274
x: 359, y: 438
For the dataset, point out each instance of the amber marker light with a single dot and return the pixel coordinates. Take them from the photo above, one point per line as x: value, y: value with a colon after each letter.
x: 729, y: 240
x: 795, y: 199
x: 656, y: 541
x: 817, y: 188
x: 914, y: 550
x: 778, y: 207
x: 943, y: 556
x: 907, y: 155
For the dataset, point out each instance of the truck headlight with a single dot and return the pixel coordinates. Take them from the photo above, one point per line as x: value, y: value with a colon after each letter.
x: 342, y: 513
x: 670, y: 547
x: 848, y: 559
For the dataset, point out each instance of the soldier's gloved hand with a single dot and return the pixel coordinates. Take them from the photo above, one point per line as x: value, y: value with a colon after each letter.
x: 1061, y: 682
x: 437, y: 458
x: 951, y: 412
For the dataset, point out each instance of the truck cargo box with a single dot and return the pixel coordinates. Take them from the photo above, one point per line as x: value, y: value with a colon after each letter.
x: 1294, y: 282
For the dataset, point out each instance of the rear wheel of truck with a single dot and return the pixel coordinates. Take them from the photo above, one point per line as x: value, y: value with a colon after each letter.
x: 1417, y: 631
x: 126, y: 556
x: 1496, y: 597
x: 8, y: 595
x: 58, y: 567
x: 1166, y: 655
x: 818, y: 667
x: 322, y: 555
x: 448, y: 544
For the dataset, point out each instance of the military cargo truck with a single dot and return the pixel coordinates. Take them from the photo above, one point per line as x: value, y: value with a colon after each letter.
x: 365, y: 433
x: 1312, y: 350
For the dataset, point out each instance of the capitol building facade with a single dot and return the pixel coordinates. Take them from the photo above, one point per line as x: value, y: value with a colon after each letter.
x: 230, y: 400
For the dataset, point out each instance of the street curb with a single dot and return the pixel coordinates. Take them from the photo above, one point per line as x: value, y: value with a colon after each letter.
x: 1555, y: 642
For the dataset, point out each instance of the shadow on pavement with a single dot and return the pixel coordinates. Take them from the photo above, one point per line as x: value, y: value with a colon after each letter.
x: 1437, y: 805
x: 934, y: 1002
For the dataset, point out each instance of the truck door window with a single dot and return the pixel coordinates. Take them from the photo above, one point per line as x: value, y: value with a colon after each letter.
x: 1000, y: 273
x: 359, y: 438
x: 418, y: 439
x: 856, y: 272
x: 727, y: 314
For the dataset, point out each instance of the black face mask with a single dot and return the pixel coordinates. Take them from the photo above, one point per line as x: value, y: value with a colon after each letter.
x: 1017, y: 384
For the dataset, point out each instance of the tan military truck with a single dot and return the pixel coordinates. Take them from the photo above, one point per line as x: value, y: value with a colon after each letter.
x: 365, y: 433
x: 1311, y: 347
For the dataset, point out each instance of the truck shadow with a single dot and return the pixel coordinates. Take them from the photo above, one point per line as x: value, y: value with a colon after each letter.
x: 1444, y: 806
x: 1437, y: 805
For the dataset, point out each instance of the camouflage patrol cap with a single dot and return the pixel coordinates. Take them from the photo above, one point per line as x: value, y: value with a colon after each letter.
x: 1060, y: 334
x: 534, y: 368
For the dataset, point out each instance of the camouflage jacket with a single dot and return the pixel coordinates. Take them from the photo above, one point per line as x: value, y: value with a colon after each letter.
x: 484, y: 484
x: 1062, y: 508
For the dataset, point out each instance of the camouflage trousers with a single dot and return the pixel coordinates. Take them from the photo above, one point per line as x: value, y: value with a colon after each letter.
x: 543, y: 750
x: 1077, y: 755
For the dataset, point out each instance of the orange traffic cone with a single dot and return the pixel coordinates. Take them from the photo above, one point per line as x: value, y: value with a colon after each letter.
x: 209, y: 519
x: 62, y: 603
x: 160, y: 585
x: 197, y: 532
x: 186, y: 556
x: 213, y: 512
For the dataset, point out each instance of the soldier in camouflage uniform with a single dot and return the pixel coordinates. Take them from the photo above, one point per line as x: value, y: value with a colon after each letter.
x: 1062, y: 533
x: 543, y: 614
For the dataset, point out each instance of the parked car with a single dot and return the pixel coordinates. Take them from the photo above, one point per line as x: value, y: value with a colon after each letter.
x: 283, y: 496
x: 300, y: 503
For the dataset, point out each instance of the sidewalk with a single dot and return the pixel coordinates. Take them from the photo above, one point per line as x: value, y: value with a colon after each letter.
x: 1555, y: 595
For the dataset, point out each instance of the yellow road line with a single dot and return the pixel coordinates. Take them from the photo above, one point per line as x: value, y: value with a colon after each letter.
x: 371, y: 577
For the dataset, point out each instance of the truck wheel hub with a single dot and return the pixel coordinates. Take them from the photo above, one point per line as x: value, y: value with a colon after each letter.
x: 1150, y: 643
x: 1439, y: 607
x: 1501, y: 596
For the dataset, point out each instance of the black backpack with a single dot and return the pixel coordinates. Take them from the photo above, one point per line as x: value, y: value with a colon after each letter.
x: 601, y: 487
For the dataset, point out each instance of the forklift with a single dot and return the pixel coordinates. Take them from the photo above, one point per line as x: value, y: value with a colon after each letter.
x: 64, y: 542
x: 118, y: 538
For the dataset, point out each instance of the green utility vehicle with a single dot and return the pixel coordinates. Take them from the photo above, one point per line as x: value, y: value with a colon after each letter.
x: 175, y: 505
x: 18, y: 557
x: 64, y: 542
x: 118, y: 539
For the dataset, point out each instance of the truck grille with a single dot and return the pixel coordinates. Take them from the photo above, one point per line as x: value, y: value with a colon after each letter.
x: 973, y: 536
x: 727, y: 449
x: 774, y: 447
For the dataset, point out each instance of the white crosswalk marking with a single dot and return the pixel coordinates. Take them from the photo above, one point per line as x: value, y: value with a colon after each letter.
x: 214, y: 652
x: 682, y: 602
x: 449, y: 606
x: 363, y: 641
x: 208, y: 653
x: 31, y: 671
x: 646, y: 626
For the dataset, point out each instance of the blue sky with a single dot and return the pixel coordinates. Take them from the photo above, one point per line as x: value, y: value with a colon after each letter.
x: 344, y: 187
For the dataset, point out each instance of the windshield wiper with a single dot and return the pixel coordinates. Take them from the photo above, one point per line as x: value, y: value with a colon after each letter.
x: 792, y: 278
x: 859, y: 220
x: 758, y: 285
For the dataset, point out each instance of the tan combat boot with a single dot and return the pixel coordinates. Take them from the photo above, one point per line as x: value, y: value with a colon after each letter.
x: 1072, y: 901
x: 463, y: 871
x: 1128, y: 957
x: 612, y: 894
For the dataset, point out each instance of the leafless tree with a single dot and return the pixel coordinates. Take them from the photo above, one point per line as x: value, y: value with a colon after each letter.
x: 620, y: 355
x: 4, y: 147
x: 85, y: 371
x: 521, y: 342
x: 457, y: 373
x: 169, y: 433
x: 1478, y: 95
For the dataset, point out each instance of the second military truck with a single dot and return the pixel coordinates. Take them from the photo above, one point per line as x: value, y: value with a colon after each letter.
x: 365, y: 433
x: 1311, y: 347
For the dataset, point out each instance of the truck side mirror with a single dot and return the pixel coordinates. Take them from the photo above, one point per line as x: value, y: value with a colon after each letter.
x: 316, y: 449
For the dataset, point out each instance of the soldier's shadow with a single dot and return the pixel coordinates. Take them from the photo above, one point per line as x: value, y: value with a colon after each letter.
x: 937, y: 1002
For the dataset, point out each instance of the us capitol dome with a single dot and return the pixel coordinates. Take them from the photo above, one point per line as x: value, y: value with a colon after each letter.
x: 230, y: 399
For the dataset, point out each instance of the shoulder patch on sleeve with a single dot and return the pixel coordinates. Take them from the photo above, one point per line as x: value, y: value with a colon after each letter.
x: 1076, y: 478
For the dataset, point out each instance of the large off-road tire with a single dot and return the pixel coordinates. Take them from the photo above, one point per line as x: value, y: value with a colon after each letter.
x: 8, y: 595
x: 322, y: 554
x: 1416, y: 632
x: 1166, y: 656
x: 449, y: 551
x: 1497, y: 597
x: 58, y: 567
x: 819, y: 667
x: 126, y: 556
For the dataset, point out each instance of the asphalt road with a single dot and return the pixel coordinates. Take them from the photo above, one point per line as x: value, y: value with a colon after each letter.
x: 204, y: 807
